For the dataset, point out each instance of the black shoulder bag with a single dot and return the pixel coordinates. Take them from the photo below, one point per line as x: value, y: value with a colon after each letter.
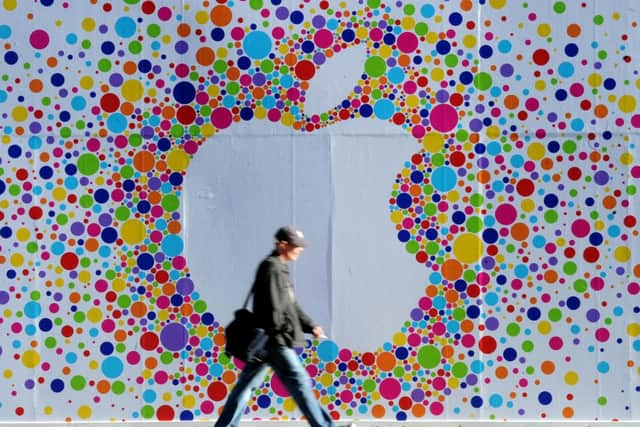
x: 244, y: 339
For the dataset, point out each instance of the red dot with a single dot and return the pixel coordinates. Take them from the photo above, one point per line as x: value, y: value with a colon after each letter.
x: 149, y: 341
x: 66, y: 331
x: 186, y: 114
x: 487, y: 344
x: 398, y: 118
x: 109, y: 102
x: 525, y: 187
x: 574, y: 173
x: 541, y: 57
x: 22, y: 174
x: 456, y: 99
x: 69, y: 261
x: 148, y: 7
x: 368, y: 359
x: 591, y: 254
x: 217, y: 391
x: 165, y: 413
x: 305, y: 70
x: 473, y: 291
x: 630, y: 221
x: 457, y: 158
x: 421, y: 257
x: 35, y: 212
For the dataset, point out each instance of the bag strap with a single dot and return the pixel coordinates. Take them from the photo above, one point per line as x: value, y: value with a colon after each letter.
x: 246, y: 300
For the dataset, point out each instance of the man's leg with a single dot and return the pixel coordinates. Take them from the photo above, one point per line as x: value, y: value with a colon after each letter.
x: 252, y: 375
x: 286, y: 364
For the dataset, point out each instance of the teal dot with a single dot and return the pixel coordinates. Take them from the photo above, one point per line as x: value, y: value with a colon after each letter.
x: 257, y: 44
x: 327, y: 350
x: 117, y: 123
x: 172, y: 245
x: 5, y: 31
x: 383, y: 109
x: 427, y: 10
x: 112, y: 367
x: 125, y: 27
x: 444, y: 179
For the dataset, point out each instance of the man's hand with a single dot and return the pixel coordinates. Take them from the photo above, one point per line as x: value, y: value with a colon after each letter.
x: 318, y: 332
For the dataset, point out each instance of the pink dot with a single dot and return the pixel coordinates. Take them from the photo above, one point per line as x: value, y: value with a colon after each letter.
x: 407, y: 223
x: 410, y: 86
x: 580, y: 228
x: 436, y: 408
x: 182, y: 70
x: 108, y: 325
x: 414, y: 340
x: 202, y: 369
x: 483, y: 278
x: 576, y: 89
x: 425, y: 303
x: 179, y: 262
x: 389, y: 388
x: 161, y: 377
x: 206, y: 407
x: 164, y: 13
x: 101, y: 285
x: 16, y: 327
x: 39, y: 39
x: 277, y: 386
x: 597, y: 284
x: 443, y: 117
x: 274, y: 115
x: 312, y: 370
x: 323, y: 38
x: 439, y: 383
x: 221, y: 118
x: 635, y: 171
x: 191, y: 147
x: 418, y: 131
x: 602, y: 334
x: 532, y: 104
x: 633, y: 288
x: 468, y: 340
x: 133, y: 357
x: 346, y: 396
x: 277, y: 33
x: 376, y: 34
x: 555, y: 343
x: 407, y: 42
x: 516, y: 284
x: 344, y: 354
x: 439, y: 328
x: 506, y: 214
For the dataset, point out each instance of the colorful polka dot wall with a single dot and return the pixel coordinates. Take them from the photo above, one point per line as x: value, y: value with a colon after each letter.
x: 518, y: 201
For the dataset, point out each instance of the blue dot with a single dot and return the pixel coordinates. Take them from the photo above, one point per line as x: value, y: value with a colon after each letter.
x: 476, y: 401
x: 348, y: 35
x: 101, y: 195
x: 551, y: 200
x: 5, y: 31
x: 571, y: 50
x: 444, y: 179
x: 10, y: 57
x: 57, y: 79
x: 184, y: 92
x: 217, y: 34
x: 443, y: 47
x: 473, y: 311
x: 365, y: 110
x: 296, y: 17
x: 109, y: 235
x: 45, y: 325
x: 486, y: 51
x: 466, y: 77
x: 427, y: 10
x: 596, y: 239
x: 106, y: 348
x: 383, y: 109
x: 545, y: 398
x: 455, y: 18
x: 404, y: 200
x: 57, y: 385
x: 186, y: 415
x: 15, y: 151
x: 573, y: 303
x: 327, y: 350
x: 125, y: 27
x: 117, y: 122
x: 107, y: 47
x: 257, y: 44
x: 145, y: 261
x: 172, y: 245
x: 112, y: 367
x: 490, y: 235
x: 533, y: 313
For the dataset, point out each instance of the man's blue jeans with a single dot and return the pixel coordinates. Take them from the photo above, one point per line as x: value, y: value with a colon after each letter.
x: 286, y: 364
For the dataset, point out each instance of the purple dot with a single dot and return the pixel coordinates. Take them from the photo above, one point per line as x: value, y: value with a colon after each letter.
x: 319, y: 58
x: 147, y: 132
x: 35, y: 127
x: 104, y: 220
x: 154, y: 183
x: 184, y: 286
x: 259, y: 79
x: 488, y: 262
x: 182, y: 47
x: 492, y: 323
x: 77, y: 228
x: 417, y: 395
x: 601, y: 177
x: 472, y: 379
x: 416, y: 314
x: 4, y: 297
x: 506, y: 70
x: 174, y: 336
x: 318, y: 21
x: 475, y: 125
x: 593, y: 315
x: 116, y: 79
x: 483, y: 163
x: 282, y: 13
x: 442, y: 96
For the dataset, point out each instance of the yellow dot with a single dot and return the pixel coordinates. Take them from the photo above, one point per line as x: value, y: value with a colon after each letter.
x: 626, y: 158
x: 166, y: 39
x: 84, y: 277
x: 541, y: 85
x: 94, y: 315
x: 544, y: 327
x: 536, y: 150
x: 622, y: 254
x: 118, y: 285
x: 133, y: 231
x: 167, y: 396
x: 59, y: 194
x: 627, y: 103
x: 84, y: 412
x: 326, y: 379
x: 17, y: 260
x: 289, y: 404
x: 30, y: 358
x: 287, y: 119
x: 469, y: 41
x: 178, y: 160
x: 48, y: 410
x: 396, y: 217
x: 132, y: 90
x: 544, y: 30
x: 412, y: 101
x: 202, y: 17
x: 93, y: 365
x: 19, y: 113
x: 433, y: 142
x: 7, y: 373
x: 468, y: 248
x: 88, y: 24
x: 86, y: 82
x: 453, y: 196
x: 497, y: 4
x: 408, y: 23
x: 493, y: 131
x: 189, y: 401
x: 222, y: 52
x: 261, y: 112
x: 10, y: 4
x: 437, y: 74
x: 386, y: 51
x: 571, y: 378
x: 202, y: 331
x: 399, y: 339
x: 633, y: 329
x: 23, y: 234
x: 453, y: 382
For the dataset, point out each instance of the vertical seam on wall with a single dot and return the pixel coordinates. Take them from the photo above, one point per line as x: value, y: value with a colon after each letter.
x: 332, y: 197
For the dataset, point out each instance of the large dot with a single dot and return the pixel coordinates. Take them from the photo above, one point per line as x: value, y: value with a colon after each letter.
x: 174, y: 336
x: 257, y: 44
x: 443, y: 117
x: 39, y: 39
x: 468, y: 248
x: 444, y: 179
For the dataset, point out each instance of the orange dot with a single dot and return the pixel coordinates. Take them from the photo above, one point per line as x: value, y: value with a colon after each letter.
x: 258, y: 93
x: 74, y: 297
x: 290, y: 59
x: 127, y: 108
x: 205, y: 56
x: 451, y: 269
x: 447, y: 351
x: 150, y: 363
x: 511, y: 102
x: 546, y: 163
x: 550, y: 276
x: 418, y: 410
x: 168, y: 289
x: 233, y: 73
x: 431, y: 291
x: 35, y: 85
x: 451, y: 295
x: 567, y: 412
x: 636, y: 270
x: 129, y: 67
x: 183, y: 30
x: 466, y: 5
x: 386, y: 361
x: 154, y: 197
x: 229, y: 377
x: 168, y: 113
x: 138, y: 309
x: 52, y: 61
x: 483, y: 176
x: 601, y: 111
x: 219, y: 339
x: 186, y: 309
x: 404, y: 60
x: 103, y: 386
x: 466, y: 325
x: 378, y: 411
x: 502, y: 372
x: 609, y: 202
x: 143, y: 161
x: 415, y: 190
x: 547, y: 367
x: 174, y: 227
x: 221, y: 15
x: 520, y: 231
x: 573, y: 30
x: 91, y: 244
x: 120, y: 335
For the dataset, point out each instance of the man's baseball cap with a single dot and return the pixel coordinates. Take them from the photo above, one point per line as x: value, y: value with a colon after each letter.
x: 290, y: 235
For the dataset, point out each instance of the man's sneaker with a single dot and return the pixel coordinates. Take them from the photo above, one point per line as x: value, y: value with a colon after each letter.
x: 348, y: 425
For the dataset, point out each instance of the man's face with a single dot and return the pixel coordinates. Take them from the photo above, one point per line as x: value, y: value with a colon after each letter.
x: 291, y: 252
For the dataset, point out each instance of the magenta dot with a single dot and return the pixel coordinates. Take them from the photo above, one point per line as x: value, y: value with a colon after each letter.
x: 16, y: 327
x: 439, y: 383
x: 376, y: 34
x: 425, y: 303
x: 277, y: 33
x: 532, y: 104
x: 182, y: 70
x: 439, y: 328
x: 346, y: 396
x: 163, y: 302
x: 576, y: 89
x: 221, y: 118
x: 483, y: 278
x: 414, y: 340
x: 410, y: 86
x: 191, y: 147
x: 345, y: 355
x: 635, y: 120
x: 202, y: 369
x: 179, y: 262
x: 207, y: 407
x: 635, y: 171
x: 580, y: 228
x: 633, y: 288
x: 164, y: 13
x: 555, y: 343
x: 312, y: 370
x: 277, y: 387
x: 39, y: 39
x: 323, y: 38
x: 597, y: 284
x: 443, y: 117
x: 436, y: 408
x: 407, y: 42
x: 93, y: 144
x: 389, y: 388
x: 108, y: 325
x: 161, y: 377
x: 407, y: 223
x: 133, y: 357
x: 274, y: 115
x: 418, y: 131
x: 506, y: 214
x: 238, y: 33
x: 101, y: 285
x: 602, y: 334
x: 468, y: 340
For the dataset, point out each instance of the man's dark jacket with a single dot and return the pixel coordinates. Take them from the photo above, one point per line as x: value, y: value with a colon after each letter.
x: 275, y: 306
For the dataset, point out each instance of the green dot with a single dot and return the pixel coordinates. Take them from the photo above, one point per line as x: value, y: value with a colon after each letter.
x: 528, y: 346
x: 170, y: 202
x: 482, y: 81
x: 267, y: 66
x: 86, y: 44
x: 569, y: 146
x: 594, y: 215
x: 555, y: 314
x: 530, y: 370
x: 88, y: 164
x: 233, y: 88
x: 135, y: 47
x: 80, y: 124
x: 429, y: 357
x: 220, y: 66
x: 551, y: 216
x: 373, y: 4
x: 154, y: 30
x: 598, y: 19
x: 412, y: 246
x: 79, y: 317
x: 46, y: 101
x: 513, y: 329
x: 124, y: 301
x: 166, y: 357
x: 559, y: 7
x: 375, y: 66
x: 398, y: 371
x: 631, y: 190
x: 86, y: 201
x: 432, y: 248
x: 121, y: 347
x: 14, y: 189
x: 369, y: 385
x: 177, y: 131
x: 32, y: 247
x: 78, y: 382
x: 58, y: 321
x: 459, y: 314
x: 135, y: 140
x: 451, y: 60
x: 205, y: 111
x: 376, y: 94
x: 476, y: 200
x: 65, y: 132
x: 474, y: 224
x: 511, y: 248
x: 580, y: 285
x: 602, y: 401
x: 469, y: 276
x: 104, y: 65
x: 462, y: 135
x: 409, y: 9
x: 200, y: 306
x: 147, y: 411
x: 570, y: 267
x: 421, y: 29
x: 438, y: 159
x: 35, y: 295
x: 85, y: 262
x: 122, y: 213
x: 50, y: 342
x: 459, y: 370
x: 255, y: 4
x: 118, y: 387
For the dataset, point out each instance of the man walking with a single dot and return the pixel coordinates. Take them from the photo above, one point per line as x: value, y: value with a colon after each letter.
x: 278, y: 313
